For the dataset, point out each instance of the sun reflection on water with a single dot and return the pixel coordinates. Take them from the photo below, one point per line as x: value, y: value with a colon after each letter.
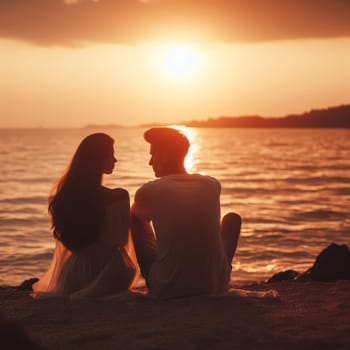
x: 192, y: 157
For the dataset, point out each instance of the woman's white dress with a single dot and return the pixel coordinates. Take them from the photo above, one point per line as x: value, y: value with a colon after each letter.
x: 100, y: 269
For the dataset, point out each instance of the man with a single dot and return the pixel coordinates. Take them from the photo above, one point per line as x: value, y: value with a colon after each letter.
x: 175, y: 224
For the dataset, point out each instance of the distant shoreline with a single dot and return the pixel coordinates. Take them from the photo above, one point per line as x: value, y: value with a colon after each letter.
x: 333, y: 117
x: 328, y: 118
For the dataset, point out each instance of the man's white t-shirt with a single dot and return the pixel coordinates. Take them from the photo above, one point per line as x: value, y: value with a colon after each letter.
x: 185, y: 213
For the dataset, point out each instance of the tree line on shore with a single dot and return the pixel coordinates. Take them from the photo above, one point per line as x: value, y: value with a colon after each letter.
x: 333, y: 117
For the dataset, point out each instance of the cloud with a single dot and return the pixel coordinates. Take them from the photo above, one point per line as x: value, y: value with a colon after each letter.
x: 77, y: 22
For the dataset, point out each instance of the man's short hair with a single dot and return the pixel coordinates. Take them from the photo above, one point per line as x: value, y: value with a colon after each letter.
x: 169, y: 139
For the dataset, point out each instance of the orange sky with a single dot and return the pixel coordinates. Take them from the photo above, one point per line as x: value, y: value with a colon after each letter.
x: 127, y: 62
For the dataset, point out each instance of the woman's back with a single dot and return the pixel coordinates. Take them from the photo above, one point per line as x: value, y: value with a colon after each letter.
x: 102, y: 267
x: 116, y: 214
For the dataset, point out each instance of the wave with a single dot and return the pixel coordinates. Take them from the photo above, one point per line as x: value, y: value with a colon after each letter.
x: 23, y: 222
x: 24, y: 200
x: 17, y: 209
x: 311, y: 168
x: 342, y: 191
x: 321, y: 214
x: 44, y: 256
x: 260, y: 190
x: 318, y: 180
x: 31, y: 180
x: 280, y: 254
x: 261, y: 220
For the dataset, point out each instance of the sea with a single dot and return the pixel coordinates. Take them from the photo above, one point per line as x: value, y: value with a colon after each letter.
x: 291, y: 187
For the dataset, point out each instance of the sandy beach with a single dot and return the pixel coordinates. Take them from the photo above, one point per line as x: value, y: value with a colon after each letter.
x: 311, y: 315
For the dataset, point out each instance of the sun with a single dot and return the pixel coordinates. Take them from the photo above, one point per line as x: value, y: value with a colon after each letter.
x: 177, y: 63
x: 179, y: 60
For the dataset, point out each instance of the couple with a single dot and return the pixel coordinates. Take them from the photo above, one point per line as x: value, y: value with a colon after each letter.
x: 173, y: 226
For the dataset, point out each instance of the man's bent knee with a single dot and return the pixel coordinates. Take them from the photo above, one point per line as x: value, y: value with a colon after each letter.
x: 232, y: 219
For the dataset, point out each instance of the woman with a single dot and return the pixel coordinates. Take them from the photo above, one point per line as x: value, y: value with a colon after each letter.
x: 91, y: 226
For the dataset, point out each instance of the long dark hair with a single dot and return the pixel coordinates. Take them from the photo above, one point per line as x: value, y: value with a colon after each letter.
x: 75, y: 205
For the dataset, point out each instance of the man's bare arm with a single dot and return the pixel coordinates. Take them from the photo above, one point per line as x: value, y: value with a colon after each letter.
x: 143, y: 237
x: 140, y: 219
x: 140, y: 222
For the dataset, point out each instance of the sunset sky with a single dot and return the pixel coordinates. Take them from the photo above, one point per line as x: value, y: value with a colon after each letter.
x: 71, y: 63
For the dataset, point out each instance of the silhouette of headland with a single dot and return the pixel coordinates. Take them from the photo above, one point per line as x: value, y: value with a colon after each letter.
x: 332, y: 117
x: 103, y: 126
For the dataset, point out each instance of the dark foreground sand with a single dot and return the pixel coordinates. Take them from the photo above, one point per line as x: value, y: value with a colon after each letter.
x: 305, y: 316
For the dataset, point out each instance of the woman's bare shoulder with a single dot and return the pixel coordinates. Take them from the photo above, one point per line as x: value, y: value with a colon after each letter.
x: 111, y: 195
